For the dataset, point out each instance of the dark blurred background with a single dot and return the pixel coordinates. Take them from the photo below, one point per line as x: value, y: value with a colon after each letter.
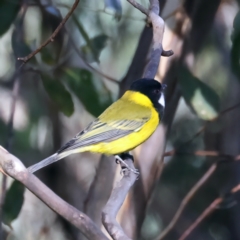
x: 93, y: 59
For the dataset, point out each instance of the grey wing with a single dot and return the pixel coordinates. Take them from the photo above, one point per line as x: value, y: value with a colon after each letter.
x: 103, y: 132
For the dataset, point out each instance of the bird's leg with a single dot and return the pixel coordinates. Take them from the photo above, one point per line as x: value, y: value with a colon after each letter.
x: 120, y: 158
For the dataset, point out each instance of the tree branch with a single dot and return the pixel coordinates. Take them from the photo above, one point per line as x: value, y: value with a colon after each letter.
x: 51, y: 38
x: 158, y: 30
x: 139, y: 6
x: 201, y: 153
x: 193, y: 191
x: 13, y: 167
x: 115, y: 201
x: 186, y: 200
x: 157, y: 49
x: 205, y: 213
x: 97, y: 194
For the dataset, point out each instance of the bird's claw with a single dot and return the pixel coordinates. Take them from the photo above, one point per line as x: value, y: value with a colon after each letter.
x: 119, y: 160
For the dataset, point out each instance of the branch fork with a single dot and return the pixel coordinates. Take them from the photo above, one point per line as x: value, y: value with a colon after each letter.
x: 116, y: 200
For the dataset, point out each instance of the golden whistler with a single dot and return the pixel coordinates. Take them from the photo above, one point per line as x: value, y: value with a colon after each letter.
x: 124, y: 125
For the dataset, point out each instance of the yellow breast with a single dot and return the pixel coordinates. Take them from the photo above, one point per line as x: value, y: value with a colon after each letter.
x: 135, y: 138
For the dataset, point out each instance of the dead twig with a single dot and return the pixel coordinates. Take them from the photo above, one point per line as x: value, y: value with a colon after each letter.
x: 139, y: 6
x: 186, y: 200
x: 115, y: 201
x: 193, y: 191
x: 201, y: 153
x: 203, y: 128
x: 206, y: 212
x: 51, y: 38
x: 13, y: 167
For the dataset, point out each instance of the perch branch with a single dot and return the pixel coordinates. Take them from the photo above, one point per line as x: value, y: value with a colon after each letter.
x: 51, y: 38
x: 115, y: 201
x: 13, y: 167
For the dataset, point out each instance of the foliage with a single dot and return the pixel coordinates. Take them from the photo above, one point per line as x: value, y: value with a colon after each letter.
x: 203, y: 99
x: 82, y: 84
x: 8, y: 12
x: 58, y: 94
x: 13, y: 202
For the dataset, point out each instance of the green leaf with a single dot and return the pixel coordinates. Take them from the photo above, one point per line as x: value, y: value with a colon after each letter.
x: 51, y: 18
x: 235, y: 51
x: 20, y: 48
x: 13, y: 202
x: 93, y: 49
x: 59, y: 95
x: 116, y: 6
x: 8, y: 12
x: 95, y: 97
x: 94, y: 46
x: 202, y: 99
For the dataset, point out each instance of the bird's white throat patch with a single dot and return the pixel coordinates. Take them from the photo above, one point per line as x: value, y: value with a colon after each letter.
x: 162, y: 100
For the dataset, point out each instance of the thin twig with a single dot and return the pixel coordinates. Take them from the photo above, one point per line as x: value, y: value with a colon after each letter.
x: 87, y: 64
x: 206, y: 212
x: 13, y: 167
x: 203, y: 128
x: 186, y: 200
x: 102, y: 11
x: 51, y: 38
x: 139, y: 6
x: 201, y: 153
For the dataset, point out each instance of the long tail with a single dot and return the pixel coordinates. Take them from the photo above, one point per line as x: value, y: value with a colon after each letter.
x: 55, y: 157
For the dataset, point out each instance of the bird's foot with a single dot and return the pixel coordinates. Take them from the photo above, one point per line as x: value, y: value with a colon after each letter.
x: 120, y: 159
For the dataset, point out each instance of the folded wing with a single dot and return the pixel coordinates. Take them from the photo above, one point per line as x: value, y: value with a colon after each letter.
x: 114, y: 123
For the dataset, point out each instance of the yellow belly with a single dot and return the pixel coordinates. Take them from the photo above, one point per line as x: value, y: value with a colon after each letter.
x: 128, y: 142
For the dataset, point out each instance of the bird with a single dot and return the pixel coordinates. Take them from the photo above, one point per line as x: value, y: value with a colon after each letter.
x: 124, y: 125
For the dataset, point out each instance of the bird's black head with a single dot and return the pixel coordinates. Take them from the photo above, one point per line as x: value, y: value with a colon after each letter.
x: 153, y: 90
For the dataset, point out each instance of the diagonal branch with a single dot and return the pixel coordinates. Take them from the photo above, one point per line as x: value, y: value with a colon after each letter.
x: 207, y: 212
x: 51, y: 38
x: 13, y: 167
x: 138, y: 6
x: 186, y: 200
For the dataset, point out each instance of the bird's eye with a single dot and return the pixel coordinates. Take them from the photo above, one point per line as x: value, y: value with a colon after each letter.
x: 156, y: 91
